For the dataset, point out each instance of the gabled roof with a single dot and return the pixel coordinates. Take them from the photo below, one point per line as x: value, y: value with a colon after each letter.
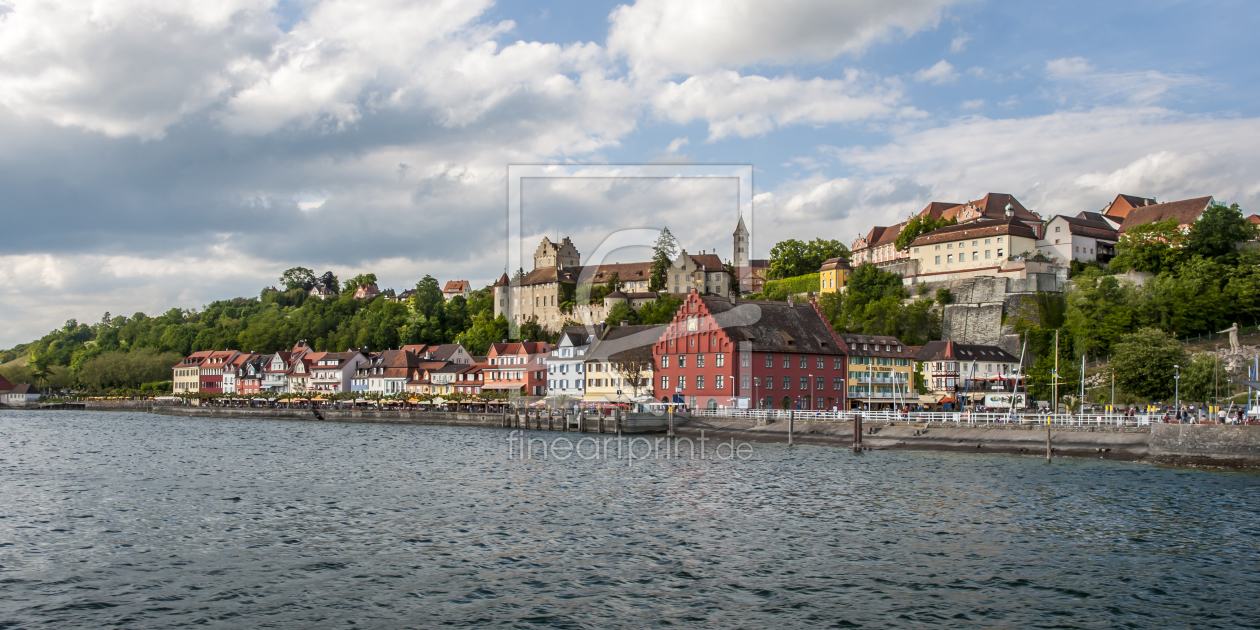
x: 24, y: 388
x: 707, y: 262
x: 515, y: 348
x: 626, y: 272
x: 616, y: 341
x: 502, y: 281
x: 773, y: 326
x: 193, y: 360
x: 934, y: 209
x: 950, y: 351
x: 991, y: 206
x: 5, y: 385
x: 1122, y: 205
x: 574, y: 335
x: 1186, y: 211
x: 455, y: 286
x: 1088, y: 228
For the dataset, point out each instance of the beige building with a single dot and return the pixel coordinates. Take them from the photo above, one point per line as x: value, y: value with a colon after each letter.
x: 968, y: 250
x: 603, y: 382
x: 186, y: 375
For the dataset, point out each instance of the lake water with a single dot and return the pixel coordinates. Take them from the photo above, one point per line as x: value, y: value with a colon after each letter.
x: 138, y: 521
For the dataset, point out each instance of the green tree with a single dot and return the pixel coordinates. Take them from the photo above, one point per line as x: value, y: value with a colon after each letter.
x: 353, y: 283
x: 428, y: 300
x: 1144, y: 360
x: 486, y: 329
x: 792, y: 258
x: 663, y: 252
x: 297, y: 278
x: 1219, y: 231
x: 1201, y: 379
x: 918, y: 226
x: 1151, y: 247
x: 659, y: 311
x: 1099, y: 310
x: 621, y: 311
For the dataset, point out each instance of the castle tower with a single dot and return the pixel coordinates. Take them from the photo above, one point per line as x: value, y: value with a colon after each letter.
x: 741, y: 245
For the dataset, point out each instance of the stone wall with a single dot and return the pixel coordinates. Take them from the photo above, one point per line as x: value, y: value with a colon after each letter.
x: 346, y: 415
x: 967, y: 323
x: 1206, y: 444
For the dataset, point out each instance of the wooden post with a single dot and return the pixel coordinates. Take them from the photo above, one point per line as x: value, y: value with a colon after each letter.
x: 670, y: 411
x: 617, y: 422
x: 857, y: 432
x: 791, y: 423
x: 1048, y: 451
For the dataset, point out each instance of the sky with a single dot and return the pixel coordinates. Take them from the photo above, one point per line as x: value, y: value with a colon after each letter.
x: 162, y: 153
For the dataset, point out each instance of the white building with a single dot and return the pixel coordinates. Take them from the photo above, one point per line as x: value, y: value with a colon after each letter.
x: 20, y: 395
x: 332, y: 372
x: 1082, y: 237
x: 565, y: 375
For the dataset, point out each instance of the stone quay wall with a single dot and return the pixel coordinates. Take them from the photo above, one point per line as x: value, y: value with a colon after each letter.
x: 1234, y: 446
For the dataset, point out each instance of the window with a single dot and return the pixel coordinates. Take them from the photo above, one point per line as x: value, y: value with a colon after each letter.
x: 682, y: 382
x: 938, y: 260
x: 682, y: 360
x: 664, y: 361
x: 671, y: 343
x: 804, y: 382
x: 1056, y: 228
x: 988, y: 253
x: 916, y: 250
x: 949, y: 246
x: 951, y: 258
x: 769, y: 382
x: 835, y: 363
x: 837, y: 383
x: 787, y: 382
x: 712, y: 341
x: 718, y: 382
x: 819, y: 363
x: 745, y: 360
x: 820, y: 383
x: 699, y: 381
x: 975, y: 255
x: 769, y: 360
x: 692, y: 325
x: 693, y: 342
x: 787, y: 361
x: 999, y: 239
x: 721, y: 359
x: 699, y: 360
x: 999, y: 253
x: 986, y: 241
x: 804, y: 362
x: 938, y: 248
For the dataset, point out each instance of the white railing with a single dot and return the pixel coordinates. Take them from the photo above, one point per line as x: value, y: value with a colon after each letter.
x: 956, y: 417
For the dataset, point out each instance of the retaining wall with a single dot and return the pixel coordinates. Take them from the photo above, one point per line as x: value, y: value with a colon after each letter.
x: 1206, y: 444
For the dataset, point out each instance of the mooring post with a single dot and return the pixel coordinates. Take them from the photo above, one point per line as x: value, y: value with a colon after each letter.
x: 857, y: 432
x: 617, y: 422
x: 670, y: 411
x: 1048, y: 451
x: 791, y: 423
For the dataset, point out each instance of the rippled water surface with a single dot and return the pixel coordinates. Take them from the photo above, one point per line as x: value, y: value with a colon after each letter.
x: 130, y: 520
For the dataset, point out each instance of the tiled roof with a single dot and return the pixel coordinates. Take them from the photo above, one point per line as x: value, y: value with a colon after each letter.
x: 992, y: 206
x: 875, y: 346
x: 455, y: 286
x: 502, y: 281
x: 1186, y: 211
x: 193, y: 360
x: 24, y: 388
x: 889, y: 235
x: 934, y: 209
x: 626, y: 272
x: 948, y: 350
x: 707, y: 262
x: 1013, y: 227
x: 835, y: 263
x: 1091, y: 229
x: 773, y: 326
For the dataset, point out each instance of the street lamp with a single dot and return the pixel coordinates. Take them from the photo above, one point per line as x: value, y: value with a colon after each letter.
x: 1177, y: 390
x: 811, y: 390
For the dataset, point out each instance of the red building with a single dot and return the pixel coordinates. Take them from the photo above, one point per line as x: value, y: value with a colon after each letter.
x: 212, y: 369
x: 520, y: 367
x: 718, y: 351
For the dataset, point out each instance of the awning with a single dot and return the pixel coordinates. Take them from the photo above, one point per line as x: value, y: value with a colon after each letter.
x: 503, y: 386
x: 947, y: 400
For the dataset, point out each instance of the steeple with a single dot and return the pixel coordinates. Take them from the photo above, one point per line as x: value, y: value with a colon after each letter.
x: 740, y: 245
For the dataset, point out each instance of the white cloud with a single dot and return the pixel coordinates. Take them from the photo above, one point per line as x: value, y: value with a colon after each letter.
x: 745, y: 106
x: 1078, y: 78
x: 1066, y: 162
x: 125, y: 68
x: 677, y: 144
x: 941, y: 72
x: 663, y: 37
x: 958, y: 44
x: 972, y: 104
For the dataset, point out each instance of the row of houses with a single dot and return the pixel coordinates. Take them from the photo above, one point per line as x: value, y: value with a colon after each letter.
x: 996, y: 235
x: 718, y: 351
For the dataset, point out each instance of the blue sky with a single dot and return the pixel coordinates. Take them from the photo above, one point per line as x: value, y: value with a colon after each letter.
x: 164, y: 153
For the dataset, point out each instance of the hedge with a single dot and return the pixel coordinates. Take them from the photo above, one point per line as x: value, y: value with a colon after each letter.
x: 808, y: 283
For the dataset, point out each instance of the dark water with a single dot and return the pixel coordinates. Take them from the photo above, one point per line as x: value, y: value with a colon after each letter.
x: 127, y: 520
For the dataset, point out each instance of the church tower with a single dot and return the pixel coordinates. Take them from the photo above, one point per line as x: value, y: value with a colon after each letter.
x: 741, y: 244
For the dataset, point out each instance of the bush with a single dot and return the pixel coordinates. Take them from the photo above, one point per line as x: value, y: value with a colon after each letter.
x: 127, y: 369
x: 1144, y: 361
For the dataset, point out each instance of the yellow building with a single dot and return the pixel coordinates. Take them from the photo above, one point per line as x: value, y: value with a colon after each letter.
x: 834, y: 275
x: 881, y: 372
x: 974, y: 249
x: 632, y: 344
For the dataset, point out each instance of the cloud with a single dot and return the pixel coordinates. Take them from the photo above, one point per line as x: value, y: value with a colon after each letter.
x: 663, y: 38
x: 1080, y: 80
x: 677, y: 144
x: 958, y: 44
x: 745, y: 106
x: 941, y: 72
x: 1066, y: 162
x: 972, y: 104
